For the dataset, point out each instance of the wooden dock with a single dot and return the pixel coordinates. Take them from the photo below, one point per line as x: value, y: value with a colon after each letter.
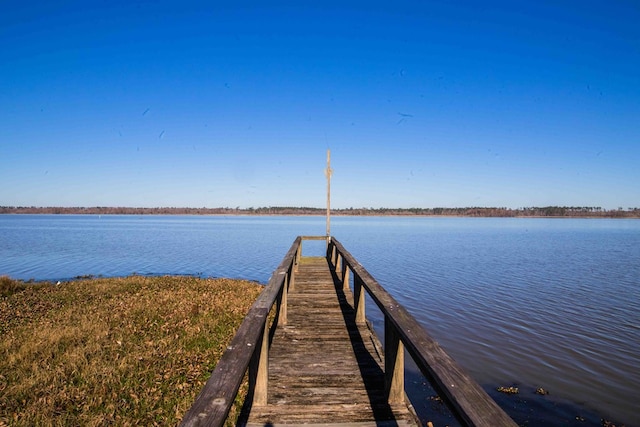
x: 313, y: 359
x: 323, y: 367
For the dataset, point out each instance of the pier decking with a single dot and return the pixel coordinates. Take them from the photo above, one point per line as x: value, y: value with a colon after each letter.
x: 323, y: 367
x: 312, y: 358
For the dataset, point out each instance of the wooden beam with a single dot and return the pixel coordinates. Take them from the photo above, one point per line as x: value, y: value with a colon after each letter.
x: 393, y: 363
x: 282, y: 302
x: 345, y: 275
x: 358, y: 296
x: 260, y: 370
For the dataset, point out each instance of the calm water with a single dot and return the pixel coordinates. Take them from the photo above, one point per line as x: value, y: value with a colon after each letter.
x: 534, y: 302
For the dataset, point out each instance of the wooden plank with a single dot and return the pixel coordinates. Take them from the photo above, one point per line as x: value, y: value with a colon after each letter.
x: 331, y: 413
x: 392, y: 423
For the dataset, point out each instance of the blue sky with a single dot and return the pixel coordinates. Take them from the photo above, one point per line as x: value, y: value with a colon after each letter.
x: 423, y: 104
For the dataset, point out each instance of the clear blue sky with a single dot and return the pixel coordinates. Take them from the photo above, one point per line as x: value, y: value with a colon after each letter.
x: 422, y: 103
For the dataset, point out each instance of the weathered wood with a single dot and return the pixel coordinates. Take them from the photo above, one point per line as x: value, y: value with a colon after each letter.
x: 323, y: 367
x: 394, y: 363
x: 292, y: 273
x: 282, y: 301
x: 354, y: 414
x: 214, y: 401
x: 334, y: 260
x: 345, y: 275
x: 259, y: 374
x: 358, y: 290
x: 468, y: 401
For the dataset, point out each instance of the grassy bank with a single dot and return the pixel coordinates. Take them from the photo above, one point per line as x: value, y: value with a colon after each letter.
x: 121, y: 351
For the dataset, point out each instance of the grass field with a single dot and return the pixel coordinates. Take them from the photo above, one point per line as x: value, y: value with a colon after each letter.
x: 119, y: 351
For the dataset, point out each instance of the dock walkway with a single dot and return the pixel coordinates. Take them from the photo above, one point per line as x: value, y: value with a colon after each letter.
x: 323, y: 367
x: 312, y: 359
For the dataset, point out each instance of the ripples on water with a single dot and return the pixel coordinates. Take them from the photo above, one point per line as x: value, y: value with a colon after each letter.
x: 61, y: 247
x: 550, y: 303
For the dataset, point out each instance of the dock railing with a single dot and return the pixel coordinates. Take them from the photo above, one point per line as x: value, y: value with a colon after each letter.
x: 464, y: 396
x: 249, y: 349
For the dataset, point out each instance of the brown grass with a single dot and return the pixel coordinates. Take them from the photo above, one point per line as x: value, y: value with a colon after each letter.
x: 123, y: 351
x: 9, y: 286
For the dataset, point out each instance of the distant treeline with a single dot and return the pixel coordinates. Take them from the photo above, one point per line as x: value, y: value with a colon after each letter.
x: 548, y: 211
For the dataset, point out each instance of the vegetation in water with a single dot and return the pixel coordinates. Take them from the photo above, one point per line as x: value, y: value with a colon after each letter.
x: 120, y: 351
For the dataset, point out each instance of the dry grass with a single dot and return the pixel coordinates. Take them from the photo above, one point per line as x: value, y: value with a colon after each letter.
x: 9, y: 286
x: 123, y: 351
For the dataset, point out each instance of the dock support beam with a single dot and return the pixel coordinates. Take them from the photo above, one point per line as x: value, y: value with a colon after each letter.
x: 260, y: 369
x: 282, y: 303
x: 345, y: 275
x: 292, y: 277
x: 358, y: 296
x: 393, y: 363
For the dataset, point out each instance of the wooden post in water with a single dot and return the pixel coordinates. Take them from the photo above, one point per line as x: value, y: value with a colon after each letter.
x: 328, y: 171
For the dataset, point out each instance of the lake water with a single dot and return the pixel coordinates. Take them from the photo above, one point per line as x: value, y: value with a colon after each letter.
x: 551, y: 303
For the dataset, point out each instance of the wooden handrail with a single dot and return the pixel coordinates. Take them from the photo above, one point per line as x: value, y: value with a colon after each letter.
x: 214, y: 402
x: 467, y: 400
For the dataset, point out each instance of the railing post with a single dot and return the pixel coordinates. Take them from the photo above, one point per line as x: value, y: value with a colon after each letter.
x: 332, y: 255
x: 338, y: 265
x: 358, y: 298
x: 259, y: 371
x: 282, y: 312
x: 393, y: 363
x: 292, y: 277
x: 345, y: 275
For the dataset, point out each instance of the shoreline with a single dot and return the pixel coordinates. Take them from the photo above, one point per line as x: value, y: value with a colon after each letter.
x: 608, y: 215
